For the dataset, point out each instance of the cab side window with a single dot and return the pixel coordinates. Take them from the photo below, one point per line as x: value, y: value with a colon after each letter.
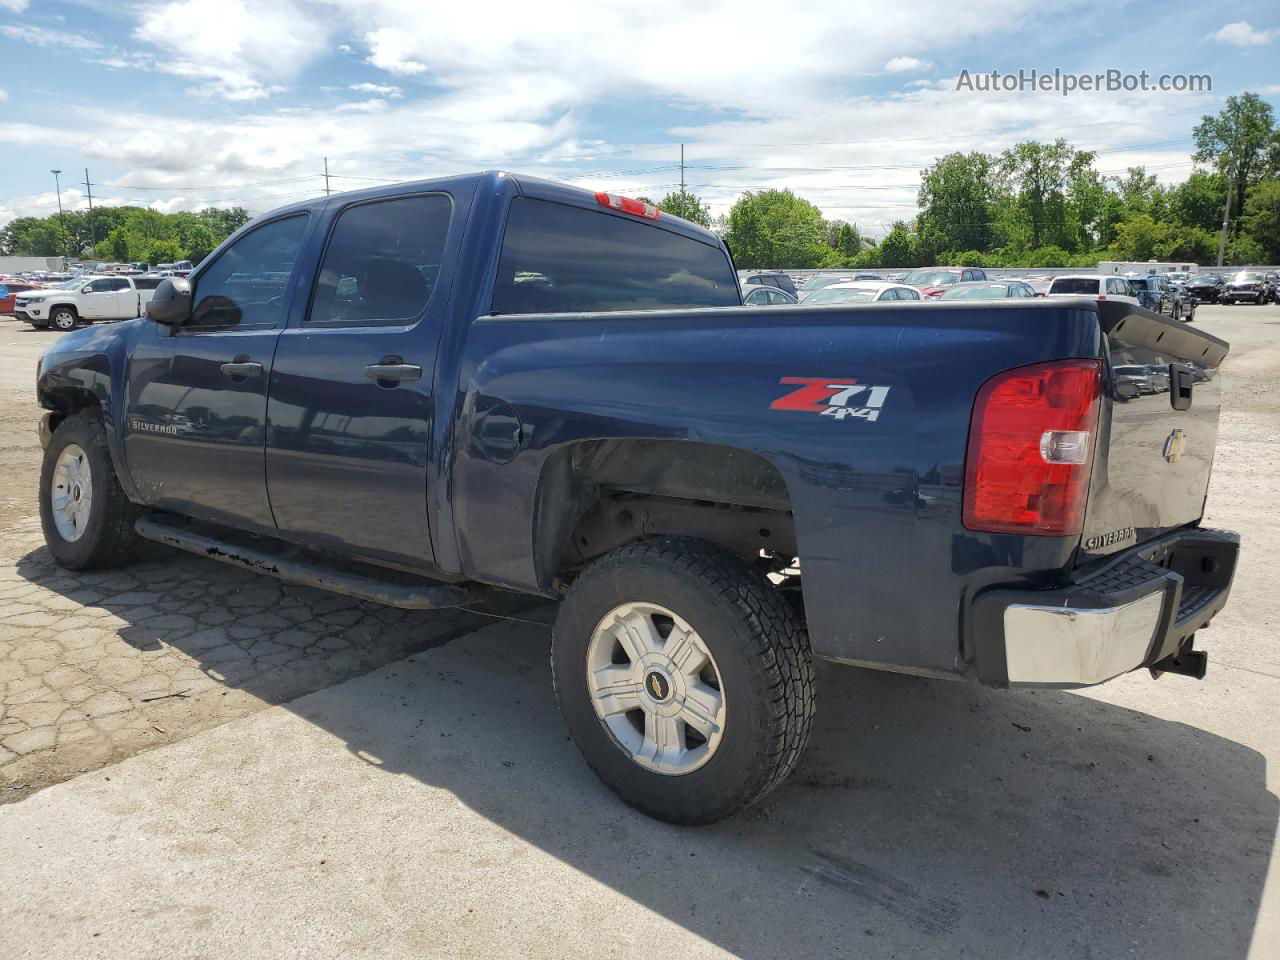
x: 248, y: 285
x: 382, y: 262
x: 100, y: 286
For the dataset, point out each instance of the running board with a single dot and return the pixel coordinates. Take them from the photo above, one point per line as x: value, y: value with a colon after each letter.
x: 433, y: 597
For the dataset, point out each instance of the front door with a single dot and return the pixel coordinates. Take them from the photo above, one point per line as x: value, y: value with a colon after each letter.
x: 197, y: 401
x: 98, y: 299
x: 351, y: 399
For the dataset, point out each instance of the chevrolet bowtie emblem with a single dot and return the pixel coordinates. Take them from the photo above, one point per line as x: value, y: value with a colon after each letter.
x: 1174, y: 444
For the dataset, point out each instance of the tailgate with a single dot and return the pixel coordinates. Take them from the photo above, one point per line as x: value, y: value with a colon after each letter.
x: 1155, y: 448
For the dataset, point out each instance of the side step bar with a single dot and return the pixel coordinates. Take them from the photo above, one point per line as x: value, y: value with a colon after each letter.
x: 432, y: 597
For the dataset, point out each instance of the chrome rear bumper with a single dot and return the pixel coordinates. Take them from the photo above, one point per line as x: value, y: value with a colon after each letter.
x: 1140, y: 608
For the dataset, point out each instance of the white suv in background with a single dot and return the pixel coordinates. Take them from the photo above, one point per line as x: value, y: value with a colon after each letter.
x: 1100, y: 286
x: 89, y: 299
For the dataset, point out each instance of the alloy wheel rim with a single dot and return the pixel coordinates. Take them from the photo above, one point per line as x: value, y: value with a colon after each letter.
x: 71, y: 493
x: 656, y: 688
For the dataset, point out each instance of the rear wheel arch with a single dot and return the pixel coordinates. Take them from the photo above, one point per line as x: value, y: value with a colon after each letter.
x: 594, y: 496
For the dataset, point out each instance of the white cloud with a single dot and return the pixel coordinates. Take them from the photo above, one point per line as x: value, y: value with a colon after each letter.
x: 4, y: 94
x: 1241, y: 33
x: 529, y: 113
x: 345, y: 48
x: 381, y: 89
x: 906, y: 65
x: 41, y: 37
x: 243, y: 49
x: 17, y: 6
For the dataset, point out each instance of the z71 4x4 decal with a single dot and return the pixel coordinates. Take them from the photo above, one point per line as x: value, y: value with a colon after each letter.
x: 832, y: 397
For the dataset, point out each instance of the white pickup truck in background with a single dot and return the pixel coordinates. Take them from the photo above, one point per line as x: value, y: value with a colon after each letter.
x: 87, y: 300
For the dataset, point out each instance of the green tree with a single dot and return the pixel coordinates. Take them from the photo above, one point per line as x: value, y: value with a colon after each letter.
x: 775, y: 228
x: 1137, y: 188
x: 1037, y: 177
x: 957, y: 202
x: 1240, y: 143
x: 1197, y: 201
x: 687, y: 206
x: 1261, y: 222
x: 899, y: 247
x: 842, y: 237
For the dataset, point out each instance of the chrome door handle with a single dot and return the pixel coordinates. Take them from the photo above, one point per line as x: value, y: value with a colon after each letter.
x: 241, y: 370
x: 392, y: 369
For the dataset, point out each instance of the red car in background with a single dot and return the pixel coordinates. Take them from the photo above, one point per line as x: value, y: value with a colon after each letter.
x: 931, y: 281
x: 12, y: 288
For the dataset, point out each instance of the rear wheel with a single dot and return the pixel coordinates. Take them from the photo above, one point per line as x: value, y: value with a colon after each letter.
x: 63, y: 318
x: 685, y: 679
x: 86, y: 518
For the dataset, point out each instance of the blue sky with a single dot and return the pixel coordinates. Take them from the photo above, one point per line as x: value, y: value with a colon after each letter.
x: 180, y: 104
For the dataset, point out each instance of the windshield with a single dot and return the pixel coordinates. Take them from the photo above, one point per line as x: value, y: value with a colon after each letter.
x: 1138, y: 284
x: 1243, y: 277
x: 1203, y: 278
x: 837, y: 295
x: 989, y: 291
x: 817, y: 283
x: 932, y: 278
x: 1085, y: 285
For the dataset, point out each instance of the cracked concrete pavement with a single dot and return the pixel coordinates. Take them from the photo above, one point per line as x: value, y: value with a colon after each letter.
x: 95, y: 667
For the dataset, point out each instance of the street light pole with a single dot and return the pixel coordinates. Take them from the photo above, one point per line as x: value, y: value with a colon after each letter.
x: 57, y: 186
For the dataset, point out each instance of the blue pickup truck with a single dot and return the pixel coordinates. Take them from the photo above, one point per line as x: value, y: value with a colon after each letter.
x: 414, y: 393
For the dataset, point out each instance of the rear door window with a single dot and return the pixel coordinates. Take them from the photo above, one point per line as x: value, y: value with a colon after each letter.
x: 1080, y: 285
x: 562, y: 259
x: 382, y: 262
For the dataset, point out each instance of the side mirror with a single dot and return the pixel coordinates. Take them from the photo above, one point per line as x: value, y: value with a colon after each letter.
x: 170, y: 305
x: 86, y: 289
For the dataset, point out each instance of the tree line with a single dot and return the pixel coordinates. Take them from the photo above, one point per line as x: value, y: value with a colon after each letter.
x: 1041, y: 204
x: 122, y: 234
x: 1035, y: 204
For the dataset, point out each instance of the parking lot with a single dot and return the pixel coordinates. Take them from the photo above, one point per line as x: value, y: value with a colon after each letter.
x: 197, y: 762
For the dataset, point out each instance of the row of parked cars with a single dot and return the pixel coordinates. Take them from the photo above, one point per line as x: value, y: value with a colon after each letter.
x: 1175, y: 296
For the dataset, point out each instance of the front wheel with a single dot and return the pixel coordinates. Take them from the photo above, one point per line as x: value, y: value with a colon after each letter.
x: 63, y: 318
x: 685, y: 679
x: 86, y: 517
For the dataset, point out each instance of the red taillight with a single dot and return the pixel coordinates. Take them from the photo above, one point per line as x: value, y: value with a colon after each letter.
x: 636, y: 207
x: 1030, y: 445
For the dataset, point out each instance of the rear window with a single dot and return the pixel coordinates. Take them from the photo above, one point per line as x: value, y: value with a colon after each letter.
x: 1082, y: 285
x: 146, y: 283
x: 562, y: 259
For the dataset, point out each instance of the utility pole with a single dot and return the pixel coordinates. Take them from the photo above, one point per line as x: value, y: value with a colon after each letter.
x: 1226, y: 212
x: 326, y: 176
x: 57, y: 187
x: 1231, y: 177
x: 88, y: 189
x: 682, y: 170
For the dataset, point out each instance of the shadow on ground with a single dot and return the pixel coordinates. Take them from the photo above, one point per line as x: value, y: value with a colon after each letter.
x: 927, y: 818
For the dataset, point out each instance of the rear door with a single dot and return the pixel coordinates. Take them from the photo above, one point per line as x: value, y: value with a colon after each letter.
x: 125, y: 300
x: 1155, y: 451
x: 351, y: 397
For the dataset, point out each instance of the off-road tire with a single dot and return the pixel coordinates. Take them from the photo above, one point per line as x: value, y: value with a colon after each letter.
x: 759, y: 645
x: 109, y: 539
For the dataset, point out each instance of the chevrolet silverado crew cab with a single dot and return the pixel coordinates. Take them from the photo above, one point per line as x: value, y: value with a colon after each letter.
x: 92, y: 298
x: 413, y: 393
